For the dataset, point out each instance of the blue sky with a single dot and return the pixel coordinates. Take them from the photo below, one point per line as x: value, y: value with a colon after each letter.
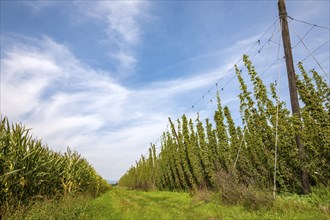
x: 104, y: 76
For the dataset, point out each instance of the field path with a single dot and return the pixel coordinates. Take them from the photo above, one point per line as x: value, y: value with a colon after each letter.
x: 119, y: 203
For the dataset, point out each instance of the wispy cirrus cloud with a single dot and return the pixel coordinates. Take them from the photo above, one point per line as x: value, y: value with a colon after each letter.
x: 38, y: 6
x: 47, y: 84
x: 123, y: 21
x: 68, y: 103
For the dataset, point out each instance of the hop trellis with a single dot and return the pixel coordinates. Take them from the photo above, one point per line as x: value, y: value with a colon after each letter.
x: 193, y: 152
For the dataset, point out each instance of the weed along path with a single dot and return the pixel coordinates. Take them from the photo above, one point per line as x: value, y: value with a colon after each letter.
x: 120, y: 203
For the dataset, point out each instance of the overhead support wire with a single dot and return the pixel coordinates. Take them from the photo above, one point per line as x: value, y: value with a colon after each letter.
x: 261, y: 48
x: 316, y: 50
x: 205, y: 96
x: 258, y: 42
x: 276, y: 43
x: 301, y: 40
x: 216, y: 85
x: 305, y: 22
x: 258, y: 52
x: 303, y: 37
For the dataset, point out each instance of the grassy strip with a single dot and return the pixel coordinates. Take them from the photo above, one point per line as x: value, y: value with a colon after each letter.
x: 120, y: 203
x: 67, y: 207
x: 128, y: 204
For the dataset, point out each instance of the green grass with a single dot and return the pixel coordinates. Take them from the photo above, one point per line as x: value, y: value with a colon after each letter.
x: 68, y: 207
x: 120, y: 203
x: 126, y: 204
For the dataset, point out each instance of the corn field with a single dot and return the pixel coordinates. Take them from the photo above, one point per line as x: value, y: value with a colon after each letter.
x: 30, y: 170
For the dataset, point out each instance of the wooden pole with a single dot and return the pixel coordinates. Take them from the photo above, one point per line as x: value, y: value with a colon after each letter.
x: 293, y: 91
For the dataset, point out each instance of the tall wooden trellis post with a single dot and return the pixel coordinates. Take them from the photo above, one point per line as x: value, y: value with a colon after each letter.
x: 293, y: 92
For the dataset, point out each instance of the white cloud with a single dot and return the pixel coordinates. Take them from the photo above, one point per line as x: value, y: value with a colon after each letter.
x: 126, y: 61
x: 123, y: 21
x: 121, y: 18
x: 67, y: 103
x: 38, y: 6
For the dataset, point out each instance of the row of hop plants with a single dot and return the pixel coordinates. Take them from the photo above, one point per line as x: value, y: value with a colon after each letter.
x: 196, y: 154
x: 29, y: 170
